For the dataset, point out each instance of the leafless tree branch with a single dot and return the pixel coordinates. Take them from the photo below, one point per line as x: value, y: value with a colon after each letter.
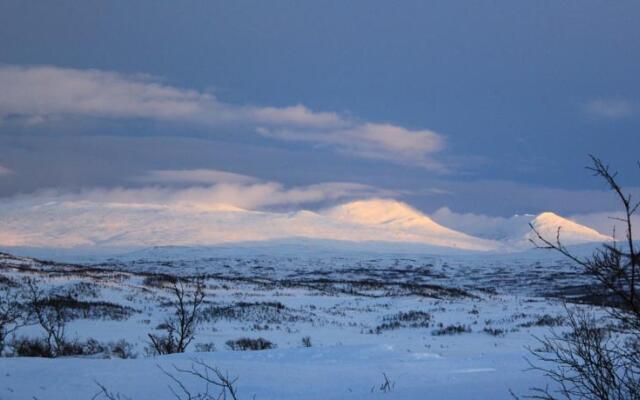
x: 593, y: 361
x: 181, y: 326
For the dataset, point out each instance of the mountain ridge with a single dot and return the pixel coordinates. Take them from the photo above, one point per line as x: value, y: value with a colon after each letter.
x: 71, y: 225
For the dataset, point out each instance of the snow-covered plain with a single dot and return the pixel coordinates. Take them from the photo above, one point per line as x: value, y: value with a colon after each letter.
x: 365, y: 314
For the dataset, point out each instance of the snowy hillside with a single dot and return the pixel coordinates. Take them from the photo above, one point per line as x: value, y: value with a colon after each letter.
x: 91, y: 226
x: 117, y: 225
x: 515, y: 233
x: 407, y: 223
x: 550, y: 225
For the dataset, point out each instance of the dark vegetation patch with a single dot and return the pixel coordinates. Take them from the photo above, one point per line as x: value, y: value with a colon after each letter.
x: 246, y: 344
x: 451, y: 330
x: 544, y: 320
x: 53, y: 269
x: 88, y: 309
x: 365, y: 282
x: 372, y: 277
x: 494, y: 331
x: 84, y: 289
x: 39, y: 347
x: 408, y: 319
x: 376, y: 289
x: 159, y: 280
x: 589, y: 294
x: 266, y: 312
x: 8, y: 282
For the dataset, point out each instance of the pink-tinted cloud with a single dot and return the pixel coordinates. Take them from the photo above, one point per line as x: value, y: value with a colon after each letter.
x: 43, y: 92
x: 375, y: 141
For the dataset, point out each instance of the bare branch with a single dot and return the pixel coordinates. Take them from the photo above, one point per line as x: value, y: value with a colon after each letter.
x: 591, y: 361
x: 181, y: 326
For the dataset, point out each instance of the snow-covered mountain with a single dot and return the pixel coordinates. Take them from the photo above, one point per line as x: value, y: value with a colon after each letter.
x: 406, y: 224
x: 106, y: 225
x: 515, y: 232
x: 547, y: 225
x: 116, y: 225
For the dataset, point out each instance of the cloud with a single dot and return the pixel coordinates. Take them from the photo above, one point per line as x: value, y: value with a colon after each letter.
x: 194, y: 176
x: 375, y: 141
x: 208, y: 188
x: 481, y: 225
x: 4, y: 171
x: 295, y: 115
x: 45, y: 91
x: 38, y: 93
x: 611, y: 108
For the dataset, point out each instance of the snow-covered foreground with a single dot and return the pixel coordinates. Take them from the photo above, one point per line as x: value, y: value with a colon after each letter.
x: 436, y: 327
x: 472, y: 368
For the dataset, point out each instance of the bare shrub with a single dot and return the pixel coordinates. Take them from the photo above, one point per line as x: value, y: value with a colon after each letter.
x: 217, y: 384
x: 211, y: 376
x: 181, y: 326
x: 50, y: 314
x: 122, y: 349
x: 594, y: 361
x: 11, y: 314
x: 161, y: 344
x: 205, y: 347
x: 30, y: 347
x: 39, y: 347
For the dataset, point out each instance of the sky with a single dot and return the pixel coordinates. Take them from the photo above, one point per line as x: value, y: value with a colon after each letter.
x: 485, y: 108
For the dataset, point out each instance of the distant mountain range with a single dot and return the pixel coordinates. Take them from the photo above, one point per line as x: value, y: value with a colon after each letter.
x: 114, y: 225
x: 513, y: 234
